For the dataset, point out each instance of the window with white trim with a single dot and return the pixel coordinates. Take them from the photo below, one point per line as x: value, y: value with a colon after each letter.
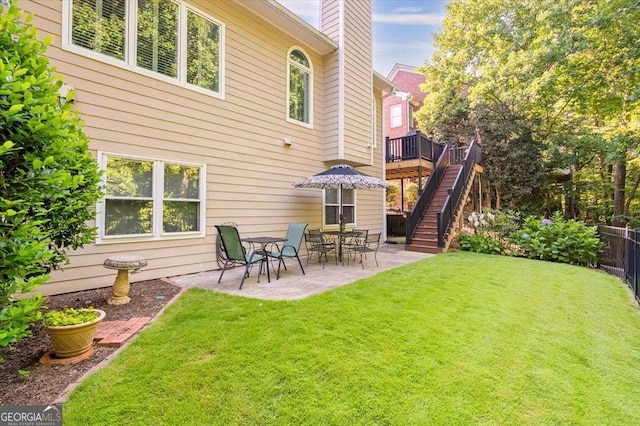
x: 332, y: 206
x: 299, y: 88
x: 164, y: 37
x: 151, y: 198
x: 396, y: 115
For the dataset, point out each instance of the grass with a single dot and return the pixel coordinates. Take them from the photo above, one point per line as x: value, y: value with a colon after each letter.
x: 461, y: 338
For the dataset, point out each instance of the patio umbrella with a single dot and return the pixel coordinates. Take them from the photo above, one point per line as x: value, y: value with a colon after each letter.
x: 341, y: 176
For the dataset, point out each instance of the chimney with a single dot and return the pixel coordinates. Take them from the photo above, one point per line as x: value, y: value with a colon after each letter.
x: 348, y: 80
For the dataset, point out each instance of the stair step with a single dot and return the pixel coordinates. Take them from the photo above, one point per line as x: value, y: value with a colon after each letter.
x: 424, y: 242
x: 427, y: 229
x: 425, y: 238
x: 434, y: 250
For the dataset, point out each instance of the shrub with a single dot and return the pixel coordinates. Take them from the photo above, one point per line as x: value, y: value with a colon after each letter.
x: 48, y: 178
x: 481, y: 243
x: 503, y: 223
x: 484, y: 240
x: 558, y: 240
x: 70, y: 316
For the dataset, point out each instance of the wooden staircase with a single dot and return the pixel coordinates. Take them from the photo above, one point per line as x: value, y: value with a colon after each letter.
x: 425, y: 238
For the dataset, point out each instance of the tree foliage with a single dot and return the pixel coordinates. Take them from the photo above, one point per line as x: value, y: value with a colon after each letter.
x: 48, y: 179
x: 392, y: 195
x: 553, y: 84
x: 411, y: 193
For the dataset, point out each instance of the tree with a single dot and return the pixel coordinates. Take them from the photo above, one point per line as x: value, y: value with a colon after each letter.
x: 411, y: 194
x: 558, y: 75
x: 392, y: 195
x: 48, y: 178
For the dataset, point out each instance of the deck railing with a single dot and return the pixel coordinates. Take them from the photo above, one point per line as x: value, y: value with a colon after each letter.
x: 414, y: 145
x: 447, y: 214
x: 425, y: 197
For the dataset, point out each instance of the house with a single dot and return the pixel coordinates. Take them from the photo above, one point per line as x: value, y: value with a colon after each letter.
x: 203, y: 112
x: 448, y: 175
x: 401, y: 106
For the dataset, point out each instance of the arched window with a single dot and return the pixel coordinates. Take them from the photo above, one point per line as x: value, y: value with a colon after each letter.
x: 299, y: 87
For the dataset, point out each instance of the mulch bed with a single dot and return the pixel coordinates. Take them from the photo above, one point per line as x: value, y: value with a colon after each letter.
x: 24, y: 381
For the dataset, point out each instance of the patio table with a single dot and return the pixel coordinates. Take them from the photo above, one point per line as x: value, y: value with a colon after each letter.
x: 341, y: 235
x: 263, y: 242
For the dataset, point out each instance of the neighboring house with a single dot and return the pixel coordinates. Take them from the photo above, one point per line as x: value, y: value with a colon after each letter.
x: 203, y: 112
x: 400, y: 107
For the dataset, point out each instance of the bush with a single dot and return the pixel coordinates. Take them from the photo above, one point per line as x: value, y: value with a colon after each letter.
x: 503, y: 223
x: 484, y: 239
x: 558, y: 240
x: 48, y: 178
x: 481, y: 243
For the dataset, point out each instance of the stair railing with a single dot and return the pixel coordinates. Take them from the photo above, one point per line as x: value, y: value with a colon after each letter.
x: 425, y: 197
x: 446, y: 215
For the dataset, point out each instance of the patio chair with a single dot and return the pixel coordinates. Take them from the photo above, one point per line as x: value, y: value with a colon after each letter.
x: 291, y: 247
x: 355, y: 239
x: 235, y: 253
x: 220, y: 256
x: 315, y: 242
x: 368, y: 245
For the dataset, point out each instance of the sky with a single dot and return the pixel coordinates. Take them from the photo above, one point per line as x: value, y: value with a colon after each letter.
x: 402, y: 29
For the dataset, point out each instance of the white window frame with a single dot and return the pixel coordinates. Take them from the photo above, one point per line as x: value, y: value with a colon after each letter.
x: 395, y: 113
x: 129, y: 62
x: 158, y: 199
x: 308, y: 70
x: 332, y: 226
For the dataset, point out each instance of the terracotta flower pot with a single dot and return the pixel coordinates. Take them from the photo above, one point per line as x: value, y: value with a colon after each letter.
x: 73, y: 340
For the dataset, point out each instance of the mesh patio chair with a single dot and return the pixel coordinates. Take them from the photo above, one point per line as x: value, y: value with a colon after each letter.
x: 221, y: 257
x: 315, y: 242
x: 291, y: 247
x: 368, y: 245
x: 235, y: 253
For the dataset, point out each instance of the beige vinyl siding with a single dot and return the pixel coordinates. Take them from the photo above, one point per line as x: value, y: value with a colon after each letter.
x: 371, y: 203
x: 330, y: 18
x: 330, y: 25
x: 358, y: 82
x: 238, y: 139
x: 331, y: 107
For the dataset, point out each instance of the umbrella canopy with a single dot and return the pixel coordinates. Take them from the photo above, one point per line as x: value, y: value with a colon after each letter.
x: 341, y: 176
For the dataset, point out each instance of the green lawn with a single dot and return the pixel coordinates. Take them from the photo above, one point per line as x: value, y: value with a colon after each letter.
x: 460, y: 338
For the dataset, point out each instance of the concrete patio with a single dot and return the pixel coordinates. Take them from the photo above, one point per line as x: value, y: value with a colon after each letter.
x: 292, y: 284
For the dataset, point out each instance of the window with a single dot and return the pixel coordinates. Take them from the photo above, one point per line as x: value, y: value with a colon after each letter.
x: 151, y: 198
x: 157, y: 35
x: 332, y: 206
x: 162, y: 37
x: 100, y: 25
x: 396, y: 115
x: 299, y: 88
